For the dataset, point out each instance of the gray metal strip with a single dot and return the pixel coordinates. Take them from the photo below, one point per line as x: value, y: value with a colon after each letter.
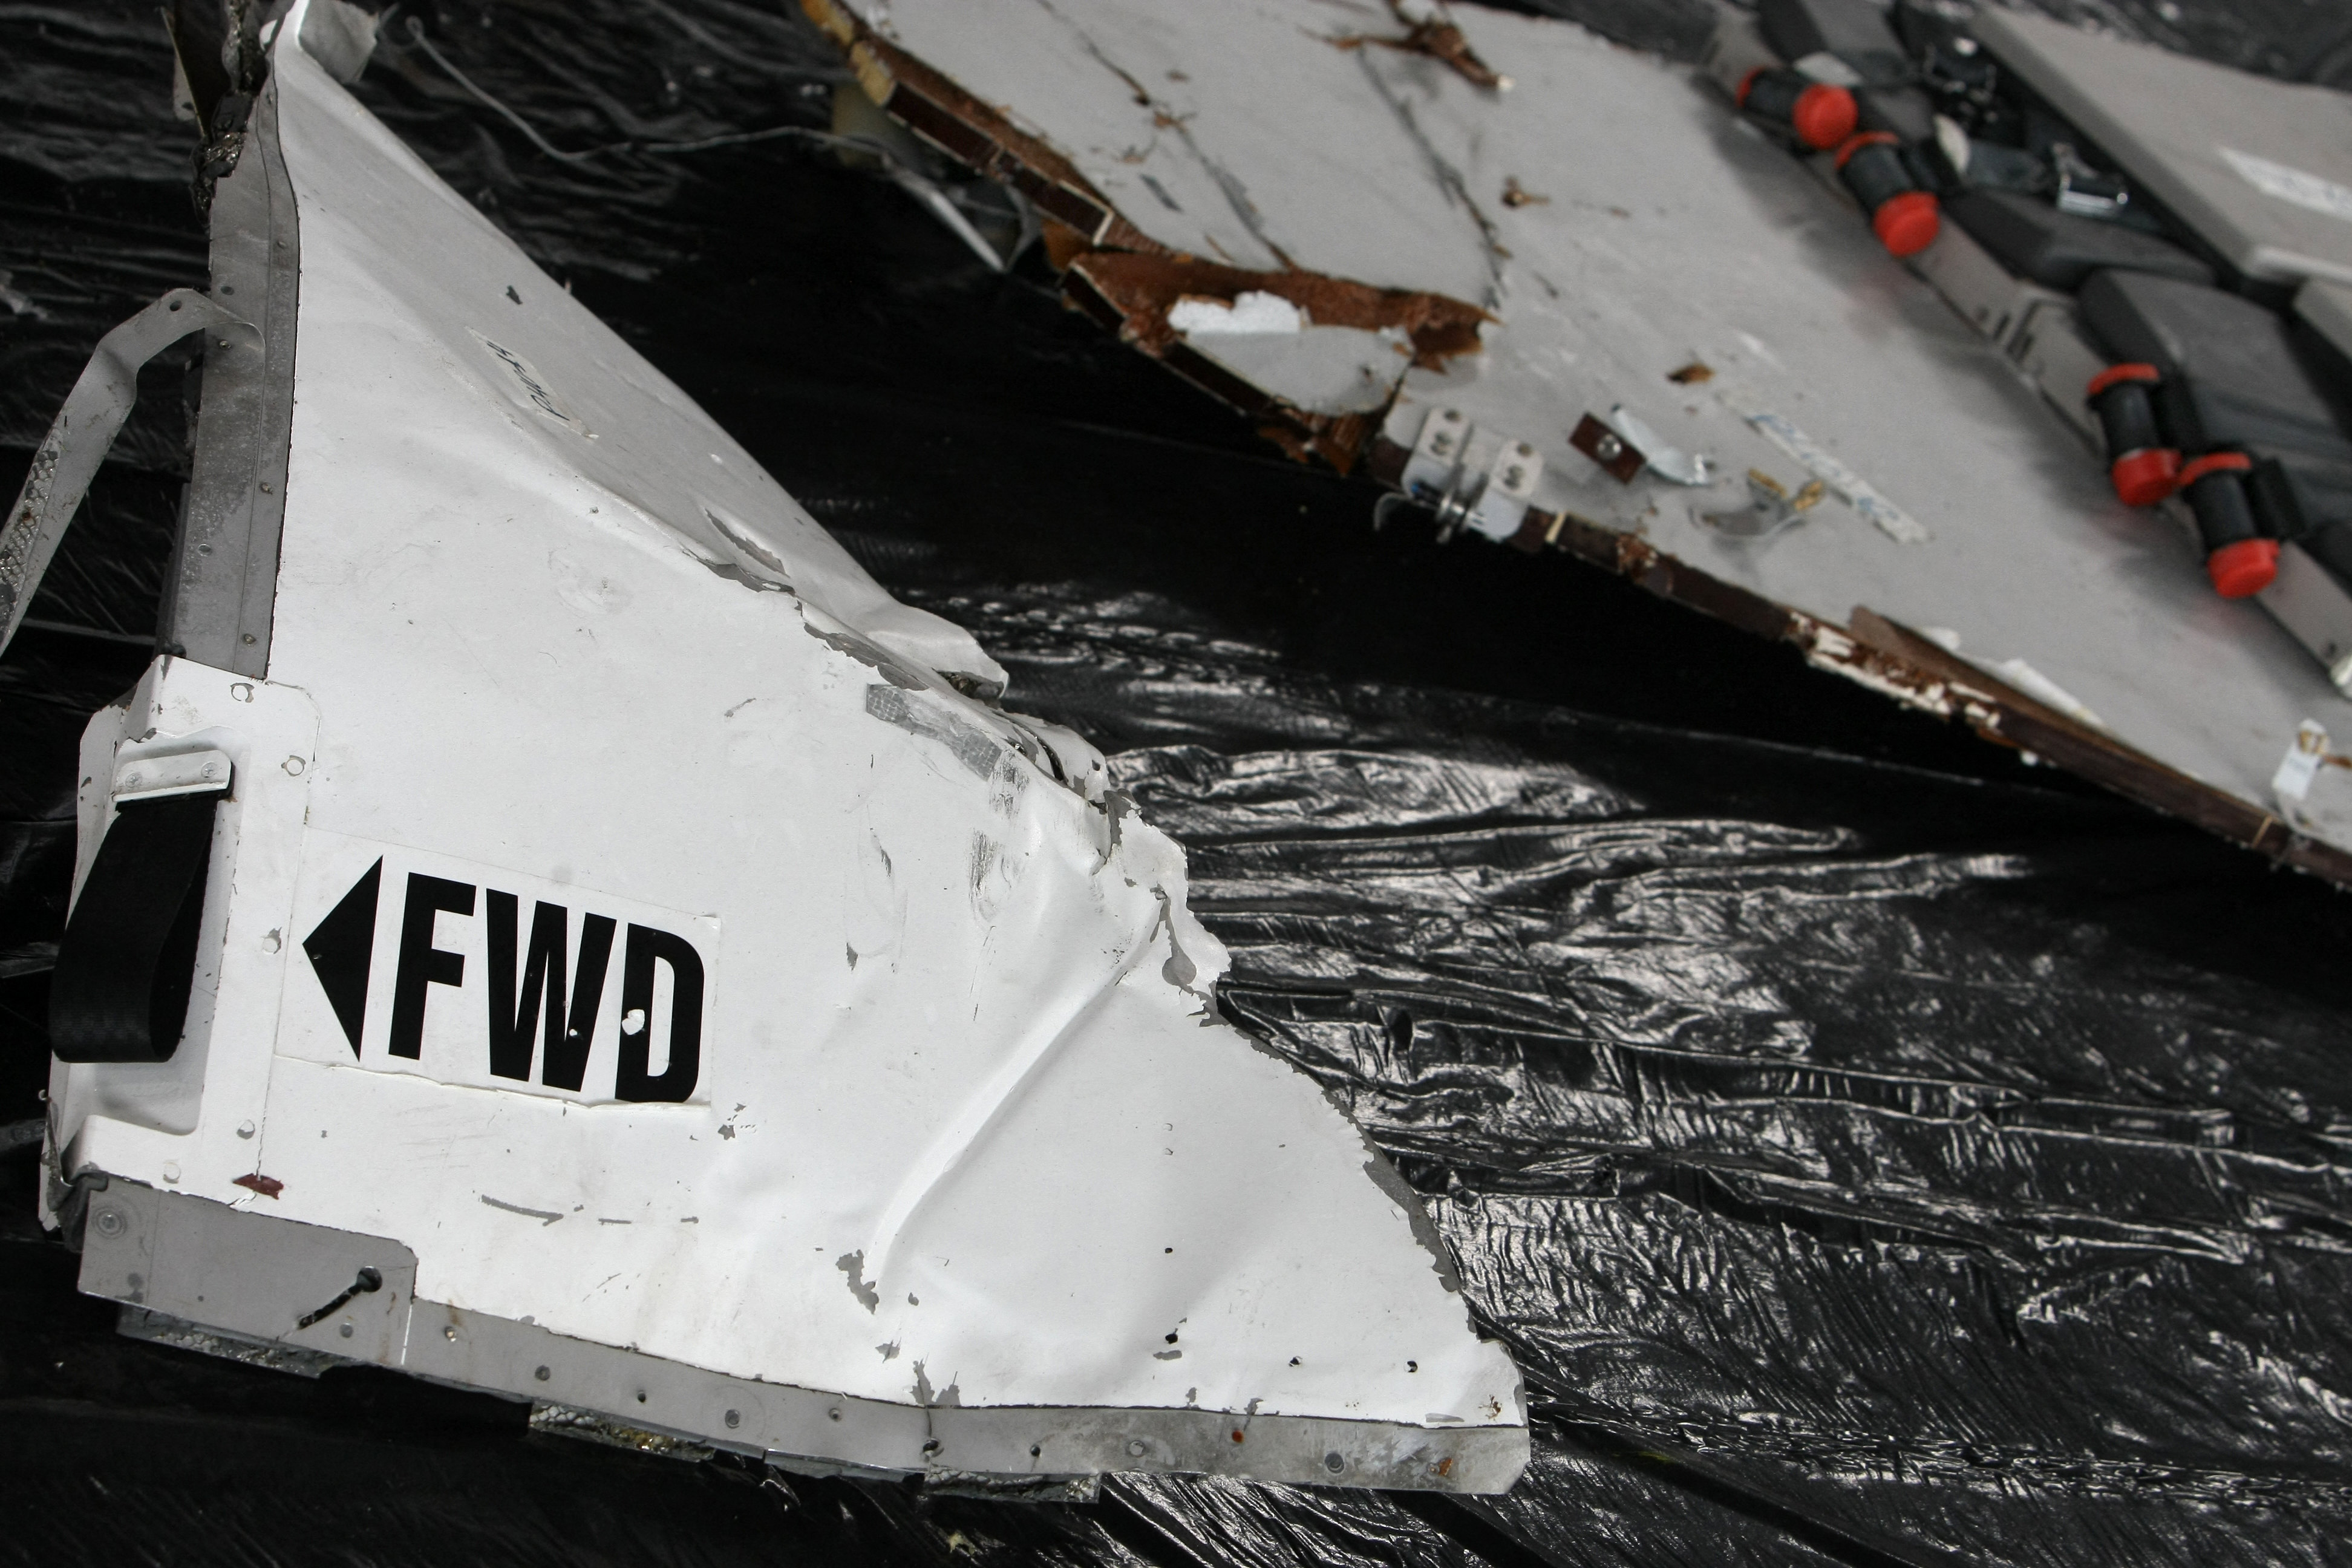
x: 199, y: 1269
x: 83, y: 433
x: 223, y: 591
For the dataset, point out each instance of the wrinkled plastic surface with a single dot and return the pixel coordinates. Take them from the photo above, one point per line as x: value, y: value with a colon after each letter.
x: 1867, y: 1161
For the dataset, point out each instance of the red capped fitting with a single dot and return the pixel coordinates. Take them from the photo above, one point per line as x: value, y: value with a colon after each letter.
x: 1825, y: 116
x: 2117, y: 374
x: 1821, y: 115
x: 2242, y: 570
x: 1907, y: 224
x: 2197, y: 469
x: 2146, y: 477
x: 1867, y: 139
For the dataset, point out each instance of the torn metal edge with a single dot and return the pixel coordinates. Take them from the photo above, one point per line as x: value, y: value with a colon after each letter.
x: 221, y: 596
x: 1892, y: 659
x: 1114, y: 272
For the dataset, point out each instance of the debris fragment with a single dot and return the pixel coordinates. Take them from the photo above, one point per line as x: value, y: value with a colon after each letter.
x: 1436, y: 36
x: 1691, y: 373
x: 1518, y: 196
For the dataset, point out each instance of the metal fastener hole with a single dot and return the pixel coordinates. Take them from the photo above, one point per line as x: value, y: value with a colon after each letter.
x: 734, y: 1418
x: 641, y: 1397
x: 542, y: 1375
x: 1135, y: 1448
x: 1334, y: 1462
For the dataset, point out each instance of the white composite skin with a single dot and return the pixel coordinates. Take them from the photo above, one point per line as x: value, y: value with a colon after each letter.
x: 964, y: 1129
x: 1667, y: 232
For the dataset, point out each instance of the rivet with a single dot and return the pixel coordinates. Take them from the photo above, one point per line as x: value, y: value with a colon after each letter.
x: 171, y: 1170
x: 1135, y: 1448
x: 931, y: 1445
x: 542, y: 1374
x: 734, y: 1418
x: 271, y: 942
x: 130, y: 780
x: 1609, y: 448
x: 265, y: 486
x: 449, y: 1333
x: 1034, y: 1450
x: 244, y: 1129
x: 109, y: 1222
x: 833, y: 1413
x: 293, y: 765
x: 345, y: 1330
x: 250, y: 639
x: 1334, y: 1461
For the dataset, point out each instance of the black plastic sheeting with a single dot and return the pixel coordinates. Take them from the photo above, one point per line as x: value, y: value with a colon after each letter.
x: 1875, y: 1150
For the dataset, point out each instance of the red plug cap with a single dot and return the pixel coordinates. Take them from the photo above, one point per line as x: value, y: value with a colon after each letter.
x: 1740, y: 93
x: 1825, y: 116
x: 2146, y: 477
x: 2243, y: 568
x: 1907, y: 224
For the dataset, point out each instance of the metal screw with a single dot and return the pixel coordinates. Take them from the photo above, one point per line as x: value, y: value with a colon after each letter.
x: 449, y: 1332
x: 1135, y: 1448
x: 542, y: 1374
x: 1334, y: 1462
x: 346, y: 1331
x: 1609, y: 448
x: 1513, y: 476
x: 1034, y: 1450
x: 109, y: 1222
x: 931, y: 1445
x: 1442, y: 445
x: 250, y: 639
x: 734, y: 1418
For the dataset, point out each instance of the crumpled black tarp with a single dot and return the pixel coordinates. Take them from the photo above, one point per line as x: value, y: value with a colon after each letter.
x: 1874, y: 1150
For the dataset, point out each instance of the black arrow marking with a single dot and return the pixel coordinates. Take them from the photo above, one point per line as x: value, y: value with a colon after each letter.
x: 341, y: 949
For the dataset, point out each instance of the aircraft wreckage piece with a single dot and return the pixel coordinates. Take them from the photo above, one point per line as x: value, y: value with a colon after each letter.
x: 1496, y: 232
x: 628, y: 961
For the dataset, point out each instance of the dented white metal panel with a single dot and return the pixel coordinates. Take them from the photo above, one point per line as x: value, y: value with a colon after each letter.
x: 900, y: 1079
x: 1653, y: 230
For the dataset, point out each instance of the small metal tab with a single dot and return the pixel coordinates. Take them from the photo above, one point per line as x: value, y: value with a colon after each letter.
x: 1619, y: 457
x: 181, y: 772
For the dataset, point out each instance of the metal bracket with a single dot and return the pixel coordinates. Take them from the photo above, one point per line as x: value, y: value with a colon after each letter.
x: 1490, y: 498
x: 84, y: 431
